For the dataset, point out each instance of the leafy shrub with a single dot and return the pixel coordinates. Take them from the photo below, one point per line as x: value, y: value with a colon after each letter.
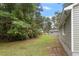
x: 17, y: 22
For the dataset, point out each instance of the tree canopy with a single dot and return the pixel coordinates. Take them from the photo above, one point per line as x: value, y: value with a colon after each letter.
x: 20, y: 21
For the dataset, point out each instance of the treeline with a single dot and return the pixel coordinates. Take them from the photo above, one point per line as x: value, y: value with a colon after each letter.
x: 20, y: 21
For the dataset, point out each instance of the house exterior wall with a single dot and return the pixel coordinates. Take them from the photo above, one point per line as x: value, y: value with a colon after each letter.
x: 67, y: 32
x: 65, y: 35
x: 76, y: 30
x: 65, y: 38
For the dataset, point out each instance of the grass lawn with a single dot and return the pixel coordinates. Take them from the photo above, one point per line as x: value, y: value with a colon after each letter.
x: 33, y: 47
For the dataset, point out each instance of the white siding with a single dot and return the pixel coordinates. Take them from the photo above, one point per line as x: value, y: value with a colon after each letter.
x: 76, y: 28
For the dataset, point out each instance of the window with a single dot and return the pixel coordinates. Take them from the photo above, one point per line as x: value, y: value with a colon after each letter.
x: 63, y: 33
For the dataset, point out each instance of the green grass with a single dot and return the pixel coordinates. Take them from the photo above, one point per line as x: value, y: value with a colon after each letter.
x: 32, y: 47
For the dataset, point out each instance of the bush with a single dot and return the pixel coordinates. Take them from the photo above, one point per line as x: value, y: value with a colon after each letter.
x: 18, y: 23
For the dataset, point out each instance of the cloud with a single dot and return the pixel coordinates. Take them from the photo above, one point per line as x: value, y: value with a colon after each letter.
x: 49, y: 17
x: 46, y: 7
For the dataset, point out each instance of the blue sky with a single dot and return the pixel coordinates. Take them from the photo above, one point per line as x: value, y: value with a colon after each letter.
x: 49, y: 9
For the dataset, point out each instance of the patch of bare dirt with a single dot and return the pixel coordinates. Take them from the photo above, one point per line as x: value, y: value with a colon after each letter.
x: 56, y: 49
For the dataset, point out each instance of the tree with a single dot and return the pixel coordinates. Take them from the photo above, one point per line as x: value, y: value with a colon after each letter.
x: 23, y: 25
x: 46, y: 24
x: 57, y: 19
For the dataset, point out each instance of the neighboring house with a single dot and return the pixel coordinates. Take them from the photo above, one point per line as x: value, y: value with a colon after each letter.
x: 54, y: 31
x: 69, y: 28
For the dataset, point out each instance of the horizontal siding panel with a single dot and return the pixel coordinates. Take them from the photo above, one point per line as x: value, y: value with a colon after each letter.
x: 76, y: 28
x: 75, y: 16
x: 76, y: 11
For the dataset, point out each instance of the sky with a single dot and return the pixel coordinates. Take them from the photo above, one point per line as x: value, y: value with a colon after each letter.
x: 49, y: 9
